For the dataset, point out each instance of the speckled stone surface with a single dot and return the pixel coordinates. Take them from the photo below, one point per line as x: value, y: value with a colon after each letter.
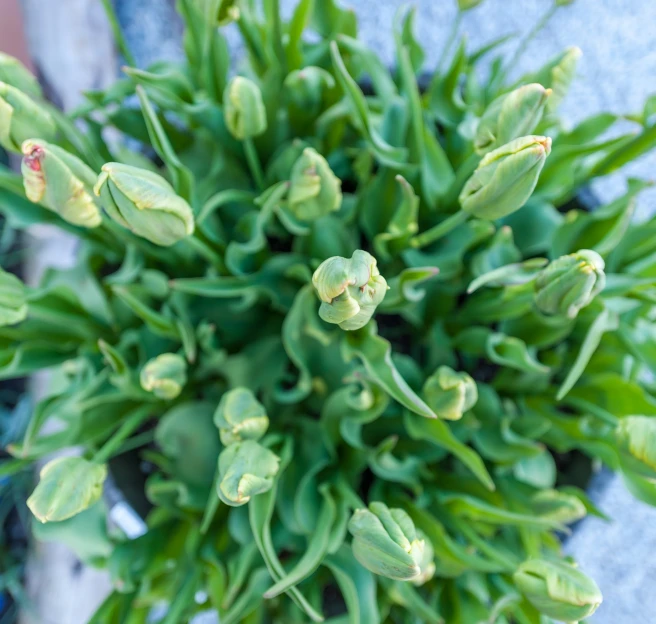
x: 617, y: 72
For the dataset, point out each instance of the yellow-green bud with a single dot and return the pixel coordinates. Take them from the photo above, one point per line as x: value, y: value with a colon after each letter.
x: 13, y: 303
x: 562, y: 74
x: 305, y: 88
x: 14, y: 73
x: 240, y: 416
x: 427, y: 566
x: 465, y: 5
x: 636, y: 436
x: 21, y: 118
x: 144, y: 202
x: 226, y: 12
x: 505, y: 178
x: 569, y: 283
x: 68, y: 485
x: 385, y: 542
x: 350, y: 290
x: 510, y: 116
x: 164, y: 375
x: 245, y: 470
x: 450, y: 394
x: 314, y: 189
x: 557, y: 589
x: 558, y: 506
x: 243, y: 108
x: 61, y: 182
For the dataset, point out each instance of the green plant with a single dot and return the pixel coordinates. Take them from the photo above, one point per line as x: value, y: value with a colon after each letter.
x: 317, y: 288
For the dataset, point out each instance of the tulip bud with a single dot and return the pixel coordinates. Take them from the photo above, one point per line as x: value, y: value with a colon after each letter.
x: 67, y: 486
x: 314, y: 189
x: 14, y: 73
x: 243, y: 108
x: 13, y: 304
x: 305, y: 89
x: 226, y: 12
x: 570, y: 283
x: 558, y: 506
x: 465, y: 5
x: 164, y: 376
x: 349, y: 289
x: 21, y: 118
x: 562, y: 74
x: 145, y: 203
x: 385, y: 542
x: 505, y: 178
x: 510, y: 116
x: 636, y: 435
x: 245, y: 470
x: 427, y: 564
x: 61, y: 182
x: 240, y: 416
x: 557, y: 589
x: 450, y: 394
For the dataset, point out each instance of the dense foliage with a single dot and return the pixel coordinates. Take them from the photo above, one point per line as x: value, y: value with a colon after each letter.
x: 354, y: 322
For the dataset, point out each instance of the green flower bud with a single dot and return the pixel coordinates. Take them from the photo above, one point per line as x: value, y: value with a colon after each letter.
x: 510, y: 116
x: 557, y: 589
x: 21, y: 118
x: 427, y: 564
x: 314, y: 189
x: 569, y: 283
x: 349, y: 289
x: 240, y: 416
x: 13, y: 303
x: 450, y: 394
x: 68, y: 485
x: 465, y: 5
x: 562, y: 74
x: 14, y: 73
x: 145, y: 203
x: 226, y: 12
x: 505, y: 178
x: 243, y: 108
x: 636, y: 436
x: 385, y: 542
x: 61, y: 182
x: 245, y: 470
x: 305, y: 88
x: 164, y: 375
x: 558, y: 506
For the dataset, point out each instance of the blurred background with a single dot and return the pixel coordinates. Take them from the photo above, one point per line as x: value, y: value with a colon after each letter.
x: 69, y: 46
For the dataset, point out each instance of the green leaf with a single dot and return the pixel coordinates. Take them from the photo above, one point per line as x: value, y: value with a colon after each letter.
x: 376, y: 354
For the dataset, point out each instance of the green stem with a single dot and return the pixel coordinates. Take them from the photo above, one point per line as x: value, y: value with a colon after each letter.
x: 184, y: 598
x: 204, y: 249
x: 594, y: 410
x: 254, y: 163
x: 118, y: 33
x: 523, y: 45
x: 439, y: 230
x: 129, y: 425
x: 455, y: 27
x: 221, y: 199
x: 463, y: 173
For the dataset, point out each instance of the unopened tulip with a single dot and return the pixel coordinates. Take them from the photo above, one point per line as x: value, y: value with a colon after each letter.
x: 350, y: 290
x: 450, y: 394
x: 61, y: 182
x: 240, y: 416
x: 570, y: 283
x: 243, y: 108
x: 164, y: 375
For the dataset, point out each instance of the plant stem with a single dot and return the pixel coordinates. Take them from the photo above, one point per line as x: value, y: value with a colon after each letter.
x: 254, y: 163
x: 594, y: 410
x: 204, y: 249
x: 221, y: 199
x: 455, y: 27
x: 439, y: 230
x: 524, y: 43
x: 118, y: 33
x: 129, y: 425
